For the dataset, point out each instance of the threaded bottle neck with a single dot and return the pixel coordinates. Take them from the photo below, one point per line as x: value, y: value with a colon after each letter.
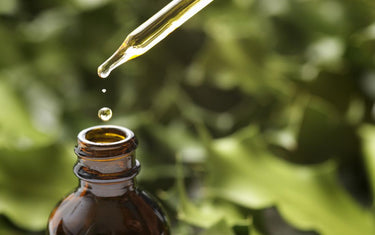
x: 106, y: 153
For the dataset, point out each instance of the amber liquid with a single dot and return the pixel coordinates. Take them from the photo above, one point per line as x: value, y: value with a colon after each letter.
x: 134, y: 213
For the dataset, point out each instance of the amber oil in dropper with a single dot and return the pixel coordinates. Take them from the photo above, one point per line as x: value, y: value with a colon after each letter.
x: 152, y: 32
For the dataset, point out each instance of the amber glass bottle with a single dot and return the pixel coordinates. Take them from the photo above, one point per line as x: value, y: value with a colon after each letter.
x: 107, y: 200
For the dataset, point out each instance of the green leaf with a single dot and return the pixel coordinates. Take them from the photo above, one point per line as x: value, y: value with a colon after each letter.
x: 35, y: 172
x: 220, y: 227
x: 254, y: 231
x: 207, y: 213
x: 17, y: 131
x: 367, y: 132
x: 32, y: 182
x: 8, y: 6
x: 6, y: 229
x: 90, y: 4
x: 310, y: 198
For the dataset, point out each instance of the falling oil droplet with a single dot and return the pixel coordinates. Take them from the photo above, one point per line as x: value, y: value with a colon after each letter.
x: 104, y: 90
x: 105, y: 113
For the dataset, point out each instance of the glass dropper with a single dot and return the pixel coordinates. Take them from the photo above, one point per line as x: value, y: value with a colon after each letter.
x: 152, y: 32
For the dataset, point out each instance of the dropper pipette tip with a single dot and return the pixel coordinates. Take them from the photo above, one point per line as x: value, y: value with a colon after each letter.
x: 102, y: 73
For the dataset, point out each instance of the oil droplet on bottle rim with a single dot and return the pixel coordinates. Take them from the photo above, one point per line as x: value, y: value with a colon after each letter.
x: 105, y: 114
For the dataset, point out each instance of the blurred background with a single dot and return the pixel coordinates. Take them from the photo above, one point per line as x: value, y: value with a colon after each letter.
x: 255, y: 117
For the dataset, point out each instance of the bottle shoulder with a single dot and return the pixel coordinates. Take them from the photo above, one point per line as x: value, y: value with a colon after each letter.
x: 135, y: 212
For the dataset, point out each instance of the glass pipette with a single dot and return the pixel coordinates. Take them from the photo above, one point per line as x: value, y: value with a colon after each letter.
x: 152, y: 32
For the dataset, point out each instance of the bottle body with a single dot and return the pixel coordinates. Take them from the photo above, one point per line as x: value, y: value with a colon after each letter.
x: 83, y: 212
x: 107, y: 200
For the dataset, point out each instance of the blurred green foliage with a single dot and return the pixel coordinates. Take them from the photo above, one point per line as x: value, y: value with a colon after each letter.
x: 255, y: 117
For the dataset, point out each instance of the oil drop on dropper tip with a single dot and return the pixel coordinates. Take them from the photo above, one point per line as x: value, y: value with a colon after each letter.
x: 103, y: 74
x: 152, y: 32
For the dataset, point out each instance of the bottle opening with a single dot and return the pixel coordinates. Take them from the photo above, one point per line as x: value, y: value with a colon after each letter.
x: 106, y: 152
x: 105, y: 135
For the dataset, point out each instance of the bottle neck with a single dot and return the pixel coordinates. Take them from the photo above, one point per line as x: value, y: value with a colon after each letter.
x: 107, y: 189
x: 106, y: 163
